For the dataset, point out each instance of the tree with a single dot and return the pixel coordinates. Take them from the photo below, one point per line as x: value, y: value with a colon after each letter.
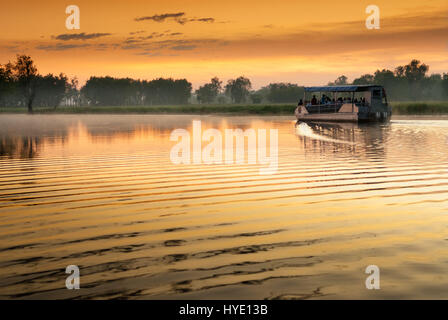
x: 73, y: 96
x: 238, y: 89
x: 364, y: 79
x: 108, y: 91
x: 284, y: 92
x: 209, y: 91
x: 413, y: 73
x: 445, y: 85
x: 7, y: 83
x: 166, y: 91
x: 341, y: 80
x: 26, y: 73
x: 256, y: 97
x: 396, y: 86
x: 50, y: 90
x: 415, y: 70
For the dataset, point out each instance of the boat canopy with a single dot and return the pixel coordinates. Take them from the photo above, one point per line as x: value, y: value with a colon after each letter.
x: 347, y: 88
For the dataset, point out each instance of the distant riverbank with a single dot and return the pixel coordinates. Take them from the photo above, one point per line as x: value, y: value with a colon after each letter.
x: 401, y: 108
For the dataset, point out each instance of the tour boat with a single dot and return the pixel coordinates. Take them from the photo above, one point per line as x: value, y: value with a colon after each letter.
x: 353, y: 103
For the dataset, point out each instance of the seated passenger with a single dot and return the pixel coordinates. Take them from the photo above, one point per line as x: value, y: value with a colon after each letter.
x: 300, y: 103
x: 314, y: 101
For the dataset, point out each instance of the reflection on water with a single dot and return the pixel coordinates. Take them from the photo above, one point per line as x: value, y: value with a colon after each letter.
x: 20, y: 147
x: 100, y: 192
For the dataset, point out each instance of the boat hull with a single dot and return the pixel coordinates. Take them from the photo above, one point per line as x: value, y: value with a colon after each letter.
x: 357, y: 116
x: 342, y: 117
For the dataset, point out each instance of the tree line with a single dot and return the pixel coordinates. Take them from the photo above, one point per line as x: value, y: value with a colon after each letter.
x: 21, y: 85
x: 410, y: 82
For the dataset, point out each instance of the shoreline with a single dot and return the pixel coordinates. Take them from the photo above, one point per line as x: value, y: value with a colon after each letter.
x: 398, y: 108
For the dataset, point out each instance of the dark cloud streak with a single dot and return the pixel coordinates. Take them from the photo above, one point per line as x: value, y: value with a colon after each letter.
x: 178, y: 17
x: 162, y: 17
x: 61, y: 47
x: 80, y: 36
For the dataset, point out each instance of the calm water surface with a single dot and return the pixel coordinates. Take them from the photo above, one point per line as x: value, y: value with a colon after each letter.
x: 100, y: 192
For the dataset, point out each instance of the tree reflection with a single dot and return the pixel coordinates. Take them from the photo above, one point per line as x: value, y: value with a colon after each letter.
x: 19, y: 147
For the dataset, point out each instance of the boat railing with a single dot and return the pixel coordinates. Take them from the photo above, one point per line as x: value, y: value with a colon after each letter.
x: 323, y: 108
x: 333, y: 107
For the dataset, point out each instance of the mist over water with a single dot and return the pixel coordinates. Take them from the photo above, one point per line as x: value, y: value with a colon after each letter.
x: 100, y: 192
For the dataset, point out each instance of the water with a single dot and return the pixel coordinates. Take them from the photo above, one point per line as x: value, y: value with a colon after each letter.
x: 100, y: 192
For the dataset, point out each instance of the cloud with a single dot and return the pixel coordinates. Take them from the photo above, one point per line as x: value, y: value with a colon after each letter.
x: 10, y: 47
x: 185, y: 20
x: 137, y: 32
x: 168, y: 46
x: 183, y: 47
x: 203, y: 19
x: 61, y: 46
x: 162, y: 17
x: 80, y: 36
x: 346, y: 39
x: 152, y: 36
x: 178, y: 17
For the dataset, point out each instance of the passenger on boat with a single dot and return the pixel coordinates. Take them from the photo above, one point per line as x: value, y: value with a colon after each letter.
x: 323, y: 99
x: 300, y: 103
x: 314, y: 100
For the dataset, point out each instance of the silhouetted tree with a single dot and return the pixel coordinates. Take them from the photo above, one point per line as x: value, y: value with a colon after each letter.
x: 108, y: 91
x: 238, y: 89
x: 72, y: 95
x: 256, y: 97
x: 415, y: 70
x: 50, y: 90
x: 364, y: 79
x: 341, y: 80
x: 166, y: 91
x: 445, y: 85
x: 284, y: 92
x: 7, y: 84
x: 26, y: 73
x: 209, y: 91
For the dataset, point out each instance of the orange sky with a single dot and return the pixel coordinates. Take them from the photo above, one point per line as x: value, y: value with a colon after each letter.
x: 305, y: 42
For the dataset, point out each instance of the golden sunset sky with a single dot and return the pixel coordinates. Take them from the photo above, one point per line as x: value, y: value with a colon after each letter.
x: 305, y: 42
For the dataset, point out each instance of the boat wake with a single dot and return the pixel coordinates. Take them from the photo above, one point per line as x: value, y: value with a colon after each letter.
x: 304, y: 130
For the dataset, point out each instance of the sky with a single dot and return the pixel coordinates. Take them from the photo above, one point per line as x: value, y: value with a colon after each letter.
x: 304, y: 42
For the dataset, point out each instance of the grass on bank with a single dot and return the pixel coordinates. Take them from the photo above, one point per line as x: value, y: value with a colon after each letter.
x: 402, y: 108
x: 171, y: 109
x: 431, y: 107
